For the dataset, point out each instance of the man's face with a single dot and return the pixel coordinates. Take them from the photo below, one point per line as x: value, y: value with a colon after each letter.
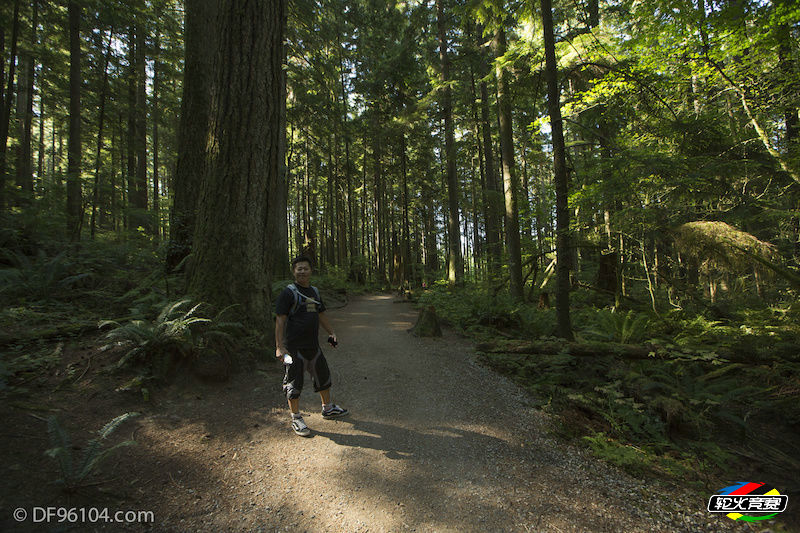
x: 302, y: 272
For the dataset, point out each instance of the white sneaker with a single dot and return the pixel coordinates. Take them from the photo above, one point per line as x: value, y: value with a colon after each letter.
x: 300, y: 427
x: 334, y: 411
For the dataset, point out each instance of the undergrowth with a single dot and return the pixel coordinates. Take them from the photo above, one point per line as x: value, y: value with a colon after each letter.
x: 725, y: 396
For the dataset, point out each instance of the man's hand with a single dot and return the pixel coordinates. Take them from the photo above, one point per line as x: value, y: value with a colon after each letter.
x: 332, y: 340
x: 279, y: 352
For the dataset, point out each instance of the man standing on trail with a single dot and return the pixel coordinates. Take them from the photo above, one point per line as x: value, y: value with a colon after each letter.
x: 300, y: 311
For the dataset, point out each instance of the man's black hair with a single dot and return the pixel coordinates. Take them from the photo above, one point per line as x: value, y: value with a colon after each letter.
x: 301, y: 259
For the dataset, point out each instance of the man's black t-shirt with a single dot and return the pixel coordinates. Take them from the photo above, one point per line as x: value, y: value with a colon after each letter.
x: 302, y: 327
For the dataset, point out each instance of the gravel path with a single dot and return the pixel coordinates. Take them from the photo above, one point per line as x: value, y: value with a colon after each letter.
x: 436, y: 442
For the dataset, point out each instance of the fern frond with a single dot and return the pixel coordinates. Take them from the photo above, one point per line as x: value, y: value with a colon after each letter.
x: 61, y: 447
x: 170, y: 309
x: 100, y: 457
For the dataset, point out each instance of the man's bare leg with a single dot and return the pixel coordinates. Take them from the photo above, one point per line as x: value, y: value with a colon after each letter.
x: 294, y: 405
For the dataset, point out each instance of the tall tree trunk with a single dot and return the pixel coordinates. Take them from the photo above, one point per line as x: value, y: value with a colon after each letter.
x: 378, y: 204
x: 40, y: 151
x: 24, y: 165
x: 231, y: 263
x: 280, y: 213
x: 101, y: 123
x: 347, y: 163
x: 407, y: 275
x: 131, y: 218
x: 493, y: 224
x: 479, y: 249
x: 560, y: 172
x: 140, y: 139
x: 193, y: 129
x: 510, y: 180
x: 112, y: 190
x: 5, y: 103
x: 156, y: 119
x: 455, y: 262
x: 74, y: 194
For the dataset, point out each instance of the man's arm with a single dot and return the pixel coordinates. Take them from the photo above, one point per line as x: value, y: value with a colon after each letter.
x: 323, y: 320
x: 280, y: 327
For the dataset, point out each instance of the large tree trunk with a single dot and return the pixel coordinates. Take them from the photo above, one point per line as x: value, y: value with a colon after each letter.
x: 280, y: 213
x: 231, y: 263
x: 74, y: 194
x: 5, y: 103
x: 455, y: 263
x: 193, y: 130
x: 510, y: 181
x: 560, y: 171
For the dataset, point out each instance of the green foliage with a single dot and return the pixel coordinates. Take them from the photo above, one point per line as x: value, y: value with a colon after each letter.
x: 74, y: 471
x: 638, y: 413
x: 174, y: 336
x: 39, y: 278
x: 474, y: 308
x: 612, y: 325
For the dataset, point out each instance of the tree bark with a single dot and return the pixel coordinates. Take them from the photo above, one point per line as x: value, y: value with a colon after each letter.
x: 231, y: 263
x: 510, y: 181
x: 560, y: 176
x: 280, y: 213
x: 455, y: 262
x: 193, y: 130
x: 74, y: 194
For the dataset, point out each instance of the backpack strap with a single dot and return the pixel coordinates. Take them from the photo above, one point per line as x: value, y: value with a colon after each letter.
x: 297, y: 295
x: 319, y: 298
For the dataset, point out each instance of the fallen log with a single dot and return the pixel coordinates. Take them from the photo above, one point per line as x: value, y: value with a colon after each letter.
x: 578, y: 349
x: 623, y: 351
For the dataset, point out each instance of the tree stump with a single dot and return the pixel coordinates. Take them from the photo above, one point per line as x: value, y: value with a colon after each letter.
x: 427, y: 324
x: 544, y: 300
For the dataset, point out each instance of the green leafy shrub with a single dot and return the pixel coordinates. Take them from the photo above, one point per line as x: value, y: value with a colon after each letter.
x: 73, y: 471
x: 176, y: 334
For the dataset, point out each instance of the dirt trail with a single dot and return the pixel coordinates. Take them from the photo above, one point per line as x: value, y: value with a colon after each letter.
x: 434, y: 442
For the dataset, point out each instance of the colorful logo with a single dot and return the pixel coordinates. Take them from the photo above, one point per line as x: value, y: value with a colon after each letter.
x: 748, y: 502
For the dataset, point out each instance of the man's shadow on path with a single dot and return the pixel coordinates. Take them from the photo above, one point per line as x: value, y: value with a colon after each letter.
x: 397, y: 442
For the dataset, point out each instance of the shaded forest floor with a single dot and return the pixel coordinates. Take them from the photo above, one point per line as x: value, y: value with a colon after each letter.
x: 435, y: 442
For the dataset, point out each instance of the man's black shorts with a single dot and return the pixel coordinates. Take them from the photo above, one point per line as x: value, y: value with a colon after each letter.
x: 317, y: 366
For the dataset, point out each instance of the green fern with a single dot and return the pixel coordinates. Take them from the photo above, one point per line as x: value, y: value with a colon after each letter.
x: 177, y: 332
x: 74, y: 474
x: 626, y: 328
x: 38, y: 278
